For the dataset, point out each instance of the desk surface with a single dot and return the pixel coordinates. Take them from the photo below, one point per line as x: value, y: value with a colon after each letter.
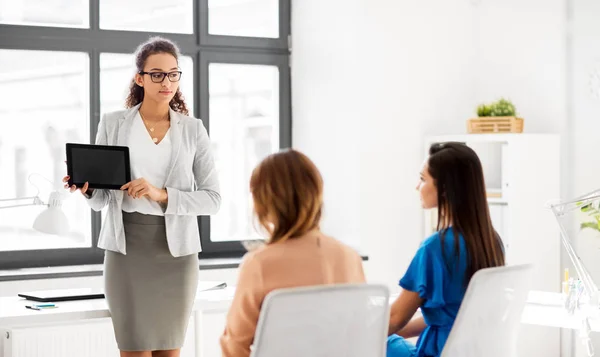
x: 543, y: 309
x: 546, y: 309
x: 14, y: 313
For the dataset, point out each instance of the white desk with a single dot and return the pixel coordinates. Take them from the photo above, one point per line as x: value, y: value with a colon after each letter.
x: 543, y: 309
x: 14, y: 313
x: 546, y: 309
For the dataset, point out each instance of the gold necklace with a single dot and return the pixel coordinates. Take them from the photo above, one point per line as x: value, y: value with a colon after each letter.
x: 151, y: 128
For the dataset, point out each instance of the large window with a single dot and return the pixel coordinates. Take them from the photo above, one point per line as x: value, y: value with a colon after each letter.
x: 244, y: 105
x: 250, y: 18
x: 64, y: 63
x: 44, y: 105
x: 59, y: 13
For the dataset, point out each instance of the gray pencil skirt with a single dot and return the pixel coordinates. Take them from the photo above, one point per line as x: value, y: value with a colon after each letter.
x: 150, y: 293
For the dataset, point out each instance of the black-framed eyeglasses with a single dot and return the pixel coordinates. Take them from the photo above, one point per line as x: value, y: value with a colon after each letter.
x: 159, y: 77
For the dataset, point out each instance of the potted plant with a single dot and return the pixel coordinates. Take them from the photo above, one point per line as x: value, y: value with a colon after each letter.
x: 496, y: 117
x: 593, y: 212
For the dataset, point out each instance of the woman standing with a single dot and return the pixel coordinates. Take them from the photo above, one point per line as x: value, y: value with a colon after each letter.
x: 150, y: 233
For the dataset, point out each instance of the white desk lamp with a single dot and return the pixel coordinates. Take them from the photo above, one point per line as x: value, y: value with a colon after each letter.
x: 52, y: 220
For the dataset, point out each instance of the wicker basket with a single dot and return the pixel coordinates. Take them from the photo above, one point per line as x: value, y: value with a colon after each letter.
x: 490, y: 125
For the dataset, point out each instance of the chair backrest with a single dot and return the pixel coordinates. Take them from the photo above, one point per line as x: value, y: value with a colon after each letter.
x: 348, y: 320
x: 488, y: 320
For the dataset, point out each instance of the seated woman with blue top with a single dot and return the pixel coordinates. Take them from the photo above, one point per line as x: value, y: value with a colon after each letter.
x: 465, y: 241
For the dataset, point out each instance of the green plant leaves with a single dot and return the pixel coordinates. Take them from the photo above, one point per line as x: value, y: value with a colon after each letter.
x: 484, y: 110
x: 500, y: 108
x: 592, y: 212
x: 592, y: 225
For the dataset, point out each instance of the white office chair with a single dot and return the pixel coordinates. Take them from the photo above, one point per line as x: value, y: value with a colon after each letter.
x: 349, y: 320
x: 488, y: 320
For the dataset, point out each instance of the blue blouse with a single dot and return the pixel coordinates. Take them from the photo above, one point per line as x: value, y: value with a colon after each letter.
x: 440, y: 283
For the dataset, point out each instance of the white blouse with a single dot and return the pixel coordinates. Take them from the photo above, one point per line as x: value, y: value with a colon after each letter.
x: 147, y: 160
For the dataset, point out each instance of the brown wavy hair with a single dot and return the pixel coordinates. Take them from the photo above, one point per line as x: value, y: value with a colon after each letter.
x: 151, y: 47
x: 287, y: 189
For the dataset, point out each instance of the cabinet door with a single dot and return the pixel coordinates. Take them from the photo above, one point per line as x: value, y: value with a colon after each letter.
x: 499, y: 216
x: 209, y: 330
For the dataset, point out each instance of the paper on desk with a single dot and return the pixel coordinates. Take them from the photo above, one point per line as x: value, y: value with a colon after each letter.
x: 219, y: 295
x: 211, y: 285
x: 545, y: 298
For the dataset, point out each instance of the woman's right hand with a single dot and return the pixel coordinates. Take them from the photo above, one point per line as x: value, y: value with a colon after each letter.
x: 84, y: 190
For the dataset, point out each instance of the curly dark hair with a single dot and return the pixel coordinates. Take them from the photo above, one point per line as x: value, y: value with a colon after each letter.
x: 154, y: 46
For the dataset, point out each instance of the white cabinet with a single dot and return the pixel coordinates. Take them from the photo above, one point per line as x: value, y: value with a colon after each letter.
x: 522, y: 174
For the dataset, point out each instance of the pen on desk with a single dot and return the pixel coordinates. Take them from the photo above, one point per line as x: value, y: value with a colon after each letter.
x: 40, y: 306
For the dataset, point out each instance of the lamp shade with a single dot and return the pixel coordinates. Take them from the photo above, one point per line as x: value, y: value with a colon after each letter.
x: 52, y: 220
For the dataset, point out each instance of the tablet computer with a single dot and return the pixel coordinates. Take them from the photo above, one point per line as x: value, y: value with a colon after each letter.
x: 63, y: 295
x: 102, y: 166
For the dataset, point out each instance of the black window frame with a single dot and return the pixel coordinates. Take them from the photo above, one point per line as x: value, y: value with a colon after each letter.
x: 204, y: 48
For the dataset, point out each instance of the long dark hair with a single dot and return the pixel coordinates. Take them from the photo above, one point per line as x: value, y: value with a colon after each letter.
x: 458, y: 176
x: 151, y: 47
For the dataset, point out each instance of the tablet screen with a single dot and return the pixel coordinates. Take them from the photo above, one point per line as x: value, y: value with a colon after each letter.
x: 102, y: 166
x: 63, y: 295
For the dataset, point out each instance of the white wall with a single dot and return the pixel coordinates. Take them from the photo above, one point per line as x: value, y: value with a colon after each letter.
x: 585, y: 107
x: 521, y: 53
x: 364, y: 87
x: 370, y: 78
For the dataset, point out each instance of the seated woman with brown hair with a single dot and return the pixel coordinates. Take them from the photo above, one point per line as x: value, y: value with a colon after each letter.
x: 287, y: 190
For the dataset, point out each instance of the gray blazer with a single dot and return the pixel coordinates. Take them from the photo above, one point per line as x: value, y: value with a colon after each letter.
x: 191, y: 183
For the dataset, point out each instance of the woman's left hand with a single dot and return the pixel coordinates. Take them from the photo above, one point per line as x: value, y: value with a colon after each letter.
x: 140, y: 187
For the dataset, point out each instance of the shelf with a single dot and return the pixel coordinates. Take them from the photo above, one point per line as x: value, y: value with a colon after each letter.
x: 497, y: 201
x: 487, y: 138
x: 495, y: 196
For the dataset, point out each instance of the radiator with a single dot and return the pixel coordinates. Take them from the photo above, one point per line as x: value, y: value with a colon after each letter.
x: 89, y: 339
x: 92, y: 339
